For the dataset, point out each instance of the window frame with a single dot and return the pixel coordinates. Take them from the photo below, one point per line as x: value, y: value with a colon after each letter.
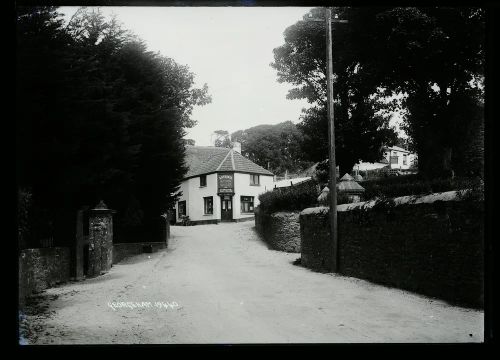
x: 242, y: 202
x: 205, y: 198
x: 203, y: 180
x: 252, y: 178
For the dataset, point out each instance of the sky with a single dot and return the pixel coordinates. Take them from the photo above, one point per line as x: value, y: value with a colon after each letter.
x: 230, y: 49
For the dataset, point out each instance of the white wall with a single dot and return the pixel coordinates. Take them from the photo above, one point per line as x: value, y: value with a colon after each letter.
x: 243, y: 188
x: 409, y: 159
x: 193, y: 194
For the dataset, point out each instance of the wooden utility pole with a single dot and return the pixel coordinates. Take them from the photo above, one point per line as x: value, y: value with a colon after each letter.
x: 331, y: 136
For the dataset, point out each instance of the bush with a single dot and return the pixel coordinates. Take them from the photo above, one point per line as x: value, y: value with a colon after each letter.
x: 293, y: 198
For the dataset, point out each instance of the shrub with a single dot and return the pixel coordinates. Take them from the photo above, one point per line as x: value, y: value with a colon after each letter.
x: 293, y: 198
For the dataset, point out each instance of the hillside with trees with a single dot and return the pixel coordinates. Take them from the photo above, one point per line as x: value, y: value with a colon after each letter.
x: 274, y: 147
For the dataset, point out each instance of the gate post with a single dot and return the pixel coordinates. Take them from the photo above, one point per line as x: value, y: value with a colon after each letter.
x: 79, y: 245
x: 100, y: 239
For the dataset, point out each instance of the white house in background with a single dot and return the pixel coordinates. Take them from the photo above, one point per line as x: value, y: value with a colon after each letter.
x: 220, y: 185
x: 399, y: 158
x: 394, y: 156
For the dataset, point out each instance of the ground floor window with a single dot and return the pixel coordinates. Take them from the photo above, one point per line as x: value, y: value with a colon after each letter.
x: 182, y: 208
x: 208, y: 205
x: 247, y: 204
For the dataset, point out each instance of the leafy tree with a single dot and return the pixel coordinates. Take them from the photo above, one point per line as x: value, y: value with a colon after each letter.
x: 222, y: 139
x: 361, y: 130
x: 434, y: 56
x: 99, y: 117
x: 439, y: 57
x: 274, y: 147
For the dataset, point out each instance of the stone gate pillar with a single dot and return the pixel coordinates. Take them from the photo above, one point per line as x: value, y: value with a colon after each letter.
x: 100, y: 240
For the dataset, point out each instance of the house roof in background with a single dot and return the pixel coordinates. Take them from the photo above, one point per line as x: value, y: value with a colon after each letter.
x: 209, y: 159
x: 290, y: 182
x: 397, y: 148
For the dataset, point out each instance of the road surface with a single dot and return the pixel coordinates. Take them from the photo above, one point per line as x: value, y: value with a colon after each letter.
x: 220, y: 284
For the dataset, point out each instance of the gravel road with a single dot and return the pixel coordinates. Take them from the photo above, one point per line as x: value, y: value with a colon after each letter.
x: 220, y: 284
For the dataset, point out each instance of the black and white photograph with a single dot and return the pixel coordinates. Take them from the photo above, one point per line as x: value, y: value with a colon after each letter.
x: 251, y: 173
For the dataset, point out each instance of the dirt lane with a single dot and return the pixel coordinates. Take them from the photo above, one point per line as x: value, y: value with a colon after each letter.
x: 224, y: 286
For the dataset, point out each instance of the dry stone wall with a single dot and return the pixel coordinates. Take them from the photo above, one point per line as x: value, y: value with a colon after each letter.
x: 433, y: 246
x: 42, y: 268
x: 280, y: 230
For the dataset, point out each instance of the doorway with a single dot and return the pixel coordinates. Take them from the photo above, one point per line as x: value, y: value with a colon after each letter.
x: 226, y: 208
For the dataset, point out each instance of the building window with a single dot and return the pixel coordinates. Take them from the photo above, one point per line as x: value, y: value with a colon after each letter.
x: 203, y: 180
x: 254, y: 179
x: 394, y: 159
x: 247, y: 204
x: 208, y: 205
x: 404, y: 159
x: 182, y: 208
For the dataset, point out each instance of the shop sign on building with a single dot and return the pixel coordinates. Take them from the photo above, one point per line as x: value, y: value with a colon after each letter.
x: 225, y: 183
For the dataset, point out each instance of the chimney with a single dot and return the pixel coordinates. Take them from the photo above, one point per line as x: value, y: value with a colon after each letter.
x: 237, y: 147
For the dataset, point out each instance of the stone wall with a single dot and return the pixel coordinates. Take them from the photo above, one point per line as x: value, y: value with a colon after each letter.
x: 124, y: 250
x: 42, y: 268
x: 280, y: 230
x: 100, y: 240
x: 431, y: 245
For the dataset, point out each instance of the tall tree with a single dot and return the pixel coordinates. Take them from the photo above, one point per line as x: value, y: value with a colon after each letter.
x: 222, y: 139
x: 100, y: 117
x: 361, y: 130
x: 434, y: 56
x: 439, y: 57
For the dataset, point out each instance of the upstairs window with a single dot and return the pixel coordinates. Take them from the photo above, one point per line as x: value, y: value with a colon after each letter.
x: 203, y: 180
x: 246, y: 204
x: 208, y: 205
x: 254, y: 179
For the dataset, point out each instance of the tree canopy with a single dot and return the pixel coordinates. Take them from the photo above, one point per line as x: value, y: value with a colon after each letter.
x: 361, y: 129
x: 274, y: 147
x: 99, y: 117
x: 222, y: 139
x: 434, y: 56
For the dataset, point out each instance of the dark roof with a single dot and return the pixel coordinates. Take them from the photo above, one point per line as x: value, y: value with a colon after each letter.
x: 347, y: 184
x: 209, y: 159
x: 346, y: 177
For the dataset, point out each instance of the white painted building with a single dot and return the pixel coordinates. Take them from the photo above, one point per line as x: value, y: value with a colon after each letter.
x: 399, y: 158
x: 220, y: 185
x: 394, y: 156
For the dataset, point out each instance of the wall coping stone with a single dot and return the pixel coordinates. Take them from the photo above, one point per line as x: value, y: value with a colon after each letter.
x: 411, y: 199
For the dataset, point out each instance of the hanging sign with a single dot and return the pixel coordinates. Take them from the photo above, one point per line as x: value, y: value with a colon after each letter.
x: 225, y: 183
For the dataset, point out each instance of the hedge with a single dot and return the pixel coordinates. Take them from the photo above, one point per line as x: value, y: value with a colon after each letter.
x: 415, y: 185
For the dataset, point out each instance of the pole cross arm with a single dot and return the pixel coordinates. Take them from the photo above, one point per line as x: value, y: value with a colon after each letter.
x: 334, y: 20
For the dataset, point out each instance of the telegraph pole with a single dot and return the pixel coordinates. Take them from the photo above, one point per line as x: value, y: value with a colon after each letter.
x: 331, y: 137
